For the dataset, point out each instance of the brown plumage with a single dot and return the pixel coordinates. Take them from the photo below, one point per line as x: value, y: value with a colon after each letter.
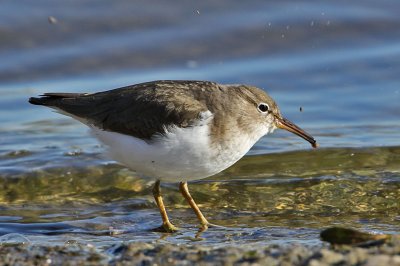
x: 146, y: 109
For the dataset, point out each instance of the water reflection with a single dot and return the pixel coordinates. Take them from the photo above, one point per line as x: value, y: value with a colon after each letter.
x: 355, y: 187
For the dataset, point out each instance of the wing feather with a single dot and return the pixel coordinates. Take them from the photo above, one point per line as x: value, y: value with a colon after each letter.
x: 141, y: 110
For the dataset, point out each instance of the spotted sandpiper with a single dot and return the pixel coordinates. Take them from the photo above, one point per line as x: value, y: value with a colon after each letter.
x: 176, y: 131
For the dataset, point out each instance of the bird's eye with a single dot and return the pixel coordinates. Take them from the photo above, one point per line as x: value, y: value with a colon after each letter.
x: 263, y: 107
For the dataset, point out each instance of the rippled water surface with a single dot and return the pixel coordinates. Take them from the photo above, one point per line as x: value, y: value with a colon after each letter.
x: 338, y: 61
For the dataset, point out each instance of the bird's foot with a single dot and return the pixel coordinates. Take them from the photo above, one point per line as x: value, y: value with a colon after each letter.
x: 204, y: 226
x: 166, y: 228
x: 216, y: 226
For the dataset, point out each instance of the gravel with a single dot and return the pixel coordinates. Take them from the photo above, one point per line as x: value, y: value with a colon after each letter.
x: 172, y: 254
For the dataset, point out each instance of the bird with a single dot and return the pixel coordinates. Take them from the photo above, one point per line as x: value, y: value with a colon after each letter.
x: 175, y: 130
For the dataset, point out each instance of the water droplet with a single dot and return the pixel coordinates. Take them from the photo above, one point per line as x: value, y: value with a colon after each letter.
x: 71, y: 242
x: 52, y: 20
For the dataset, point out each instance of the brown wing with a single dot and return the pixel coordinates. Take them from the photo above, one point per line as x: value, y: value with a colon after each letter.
x: 140, y: 110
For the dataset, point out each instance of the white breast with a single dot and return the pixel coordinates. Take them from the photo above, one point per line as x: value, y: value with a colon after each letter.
x: 181, y: 154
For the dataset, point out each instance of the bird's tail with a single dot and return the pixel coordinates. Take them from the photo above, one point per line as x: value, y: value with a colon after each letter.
x: 51, y: 99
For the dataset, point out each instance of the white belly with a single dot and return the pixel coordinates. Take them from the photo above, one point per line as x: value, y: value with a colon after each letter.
x: 182, y: 154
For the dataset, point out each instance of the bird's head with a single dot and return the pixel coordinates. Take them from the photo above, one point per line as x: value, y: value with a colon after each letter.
x: 270, y: 116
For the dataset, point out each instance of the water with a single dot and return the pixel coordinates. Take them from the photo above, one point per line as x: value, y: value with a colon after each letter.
x: 338, y: 61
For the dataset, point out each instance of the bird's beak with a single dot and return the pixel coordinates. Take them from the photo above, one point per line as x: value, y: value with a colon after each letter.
x: 283, y: 123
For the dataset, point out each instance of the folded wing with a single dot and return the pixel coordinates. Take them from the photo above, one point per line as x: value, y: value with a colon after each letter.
x: 141, y: 110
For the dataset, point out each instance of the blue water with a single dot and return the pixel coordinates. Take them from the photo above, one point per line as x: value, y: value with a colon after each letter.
x: 339, y: 61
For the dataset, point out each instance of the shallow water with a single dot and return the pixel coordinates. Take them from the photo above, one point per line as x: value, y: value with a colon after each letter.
x: 339, y: 61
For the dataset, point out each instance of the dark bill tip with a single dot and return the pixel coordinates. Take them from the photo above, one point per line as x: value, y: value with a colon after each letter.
x: 283, y: 123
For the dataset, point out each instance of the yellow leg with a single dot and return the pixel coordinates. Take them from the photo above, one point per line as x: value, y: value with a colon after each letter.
x: 183, y: 187
x: 166, y: 226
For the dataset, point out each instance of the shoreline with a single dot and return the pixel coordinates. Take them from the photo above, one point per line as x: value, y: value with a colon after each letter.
x: 138, y: 253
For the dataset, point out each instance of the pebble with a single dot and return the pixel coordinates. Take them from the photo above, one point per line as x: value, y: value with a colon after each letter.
x: 171, y: 254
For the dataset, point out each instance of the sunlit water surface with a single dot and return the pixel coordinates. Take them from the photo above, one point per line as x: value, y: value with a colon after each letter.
x: 339, y: 62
